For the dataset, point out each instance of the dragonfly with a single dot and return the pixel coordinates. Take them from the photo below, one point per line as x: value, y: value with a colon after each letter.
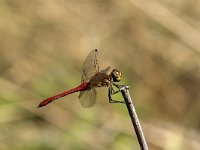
x: 91, y: 79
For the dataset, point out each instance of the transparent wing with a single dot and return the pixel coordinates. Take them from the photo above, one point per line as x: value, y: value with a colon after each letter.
x: 105, y: 70
x: 90, y: 66
x: 87, y: 98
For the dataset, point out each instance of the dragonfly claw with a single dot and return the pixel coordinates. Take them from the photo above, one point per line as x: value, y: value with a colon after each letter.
x: 112, y: 92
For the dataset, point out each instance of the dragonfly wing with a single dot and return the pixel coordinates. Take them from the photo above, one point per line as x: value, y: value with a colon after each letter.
x: 105, y: 70
x: 90, y: 66
x: 87, y: 98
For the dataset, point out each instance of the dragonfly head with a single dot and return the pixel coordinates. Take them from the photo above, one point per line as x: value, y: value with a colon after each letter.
x: 116, y: 75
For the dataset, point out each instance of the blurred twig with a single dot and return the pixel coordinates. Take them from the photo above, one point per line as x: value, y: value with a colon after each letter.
x: 134, y: 118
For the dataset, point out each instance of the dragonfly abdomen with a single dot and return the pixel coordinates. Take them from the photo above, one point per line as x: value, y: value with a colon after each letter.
x: 81, y: 87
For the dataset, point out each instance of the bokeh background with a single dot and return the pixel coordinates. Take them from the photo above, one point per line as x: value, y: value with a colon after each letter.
x: 43, y: 44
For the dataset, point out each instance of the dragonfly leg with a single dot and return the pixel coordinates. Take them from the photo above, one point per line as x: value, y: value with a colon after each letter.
x: 118, y: 86
x: 112, y: 92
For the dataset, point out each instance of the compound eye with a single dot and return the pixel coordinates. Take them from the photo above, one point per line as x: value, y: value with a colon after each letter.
x: 116, y: 74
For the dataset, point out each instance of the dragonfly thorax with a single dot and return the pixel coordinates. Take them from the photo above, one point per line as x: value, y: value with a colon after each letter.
x: 116, y: 75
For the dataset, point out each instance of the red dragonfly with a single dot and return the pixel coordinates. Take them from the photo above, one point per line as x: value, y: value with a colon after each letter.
x: 91, y: 79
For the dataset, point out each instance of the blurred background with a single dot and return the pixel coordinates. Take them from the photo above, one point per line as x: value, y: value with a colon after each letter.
x: 43, y: 44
